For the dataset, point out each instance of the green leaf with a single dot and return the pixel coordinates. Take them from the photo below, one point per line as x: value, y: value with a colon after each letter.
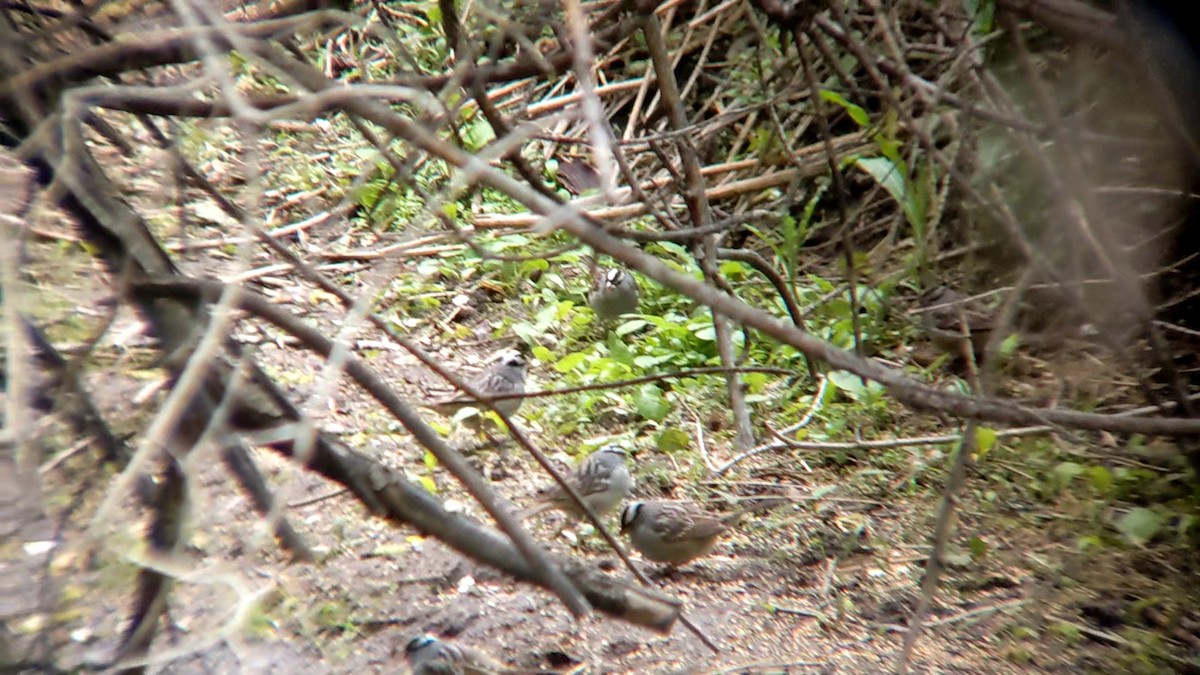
x: 528, y: 267
x: 982, y: 13
x: 887, y: 174
x: 631, y: 326
x: 427, y: 483
x: 542, y: 354
x: 477, y: 134
x: 650, y: 403
x: 1067, y: 631
x: 1065, y: 472
x: 755, y: 382
x: 857, y: 113
x: 853, y: 387
x: 985, y: 439
x: 978, y: 547
x: 649, y: 361
x: 1102, y: 479
x: 893, y: 177
x: 1009, y: 345
x: 619, y: 350
x: 1141, y: 525
x: 733, y: 269
x: 430, y: 460
x: 672, y: 440
x: 1024, y: 633
x: 570, y: 362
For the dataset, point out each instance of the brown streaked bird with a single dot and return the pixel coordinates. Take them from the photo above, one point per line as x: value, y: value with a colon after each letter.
x: 577, y: 176
x: 678, y: 532
x: 951, y: 318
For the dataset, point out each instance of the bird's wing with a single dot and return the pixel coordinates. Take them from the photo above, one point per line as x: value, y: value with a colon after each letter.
x: 697, y: 525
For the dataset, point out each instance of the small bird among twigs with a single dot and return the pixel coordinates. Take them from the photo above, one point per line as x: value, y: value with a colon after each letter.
x: 959, y: 325
x: 602, y: 480
x: 614, y: 293
x: 678, y: 532
x: 577, y: 176
x: 505, y: 377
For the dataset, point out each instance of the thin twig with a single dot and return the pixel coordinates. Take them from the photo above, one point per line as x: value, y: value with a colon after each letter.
x: 317, y: 499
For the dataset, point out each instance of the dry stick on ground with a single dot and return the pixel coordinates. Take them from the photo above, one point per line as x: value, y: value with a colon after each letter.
x: 657, y: 377
x: 467, y: 238
x: 698, y: 208
x: 941, y: 537
x: 691, y: 234
x: 817, y: 403
x: 810, y: 164
x: 955, y: 479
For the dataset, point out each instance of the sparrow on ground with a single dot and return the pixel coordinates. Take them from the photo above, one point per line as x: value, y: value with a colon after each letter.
x: 602, y: 481
x: 678, y: 532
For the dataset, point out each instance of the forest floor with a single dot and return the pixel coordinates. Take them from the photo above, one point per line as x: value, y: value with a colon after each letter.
x: 825, y: 585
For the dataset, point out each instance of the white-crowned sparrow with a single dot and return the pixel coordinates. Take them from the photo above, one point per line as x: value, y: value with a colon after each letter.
x: 602, y: 480
x: 614, y: 292
x: 507, y: 376
x: 678, y: 532
x: 428, y: 655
